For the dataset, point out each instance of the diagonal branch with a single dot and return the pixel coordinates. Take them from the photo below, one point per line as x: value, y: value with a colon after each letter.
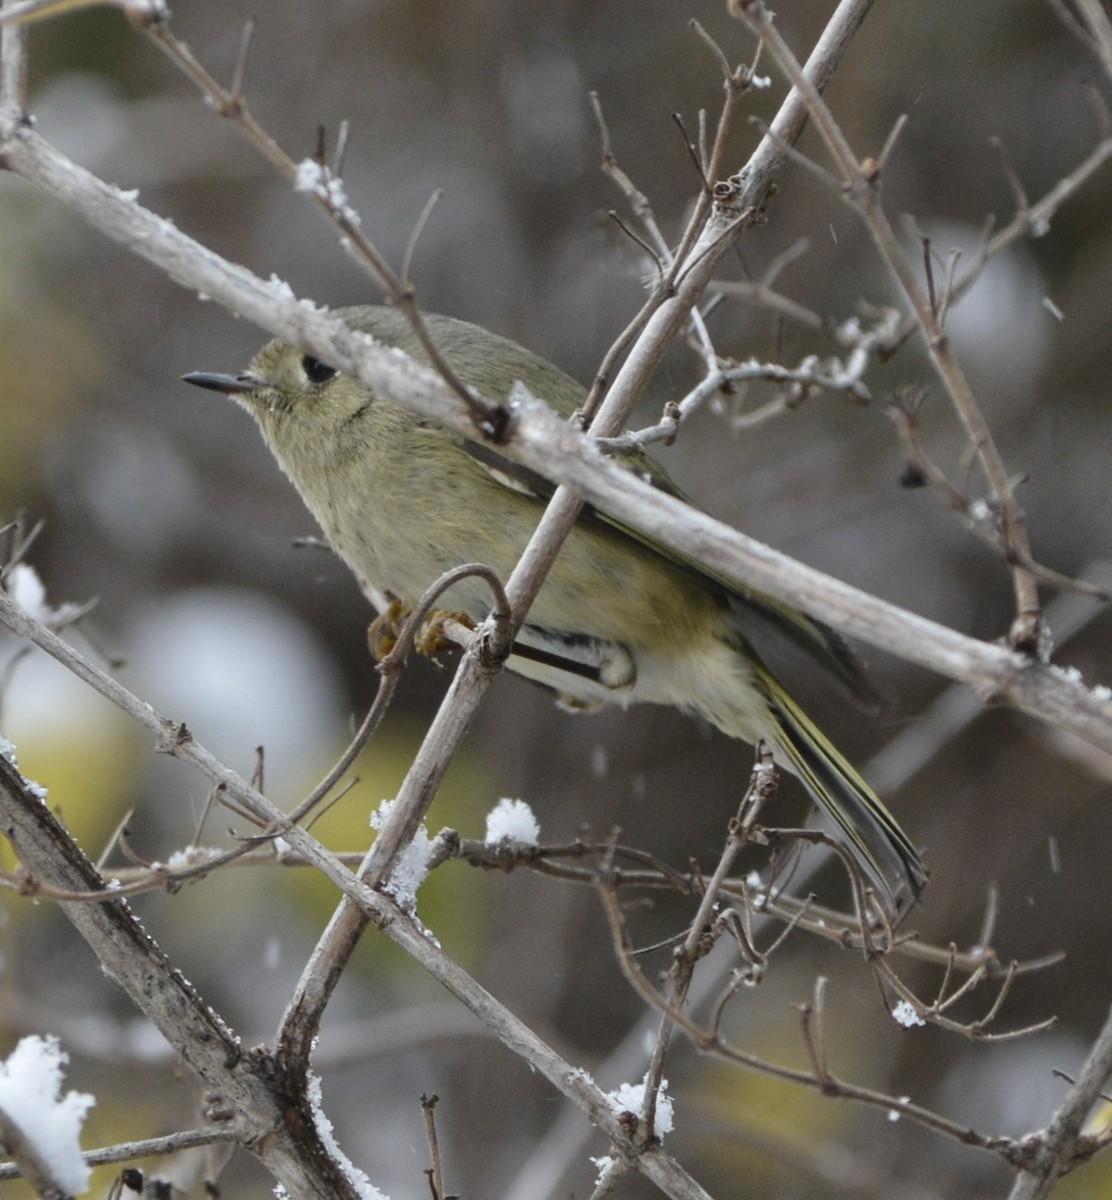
x: 1054, y: 1151
x: 860, y: 187
x: 175, y: 740
x: 274, y: 1122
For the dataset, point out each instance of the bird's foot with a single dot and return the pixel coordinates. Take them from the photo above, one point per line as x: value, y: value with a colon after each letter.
x: 437, y: 633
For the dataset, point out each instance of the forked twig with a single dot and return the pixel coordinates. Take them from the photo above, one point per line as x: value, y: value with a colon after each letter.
x: 857, y: 183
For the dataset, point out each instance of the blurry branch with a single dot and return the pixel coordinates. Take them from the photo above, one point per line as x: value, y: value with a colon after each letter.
x: 858, y: 183
x: 1092, y: 28
x: 172, y: 1143
x: 24, y: 12
x: 13, y: 70
x: 1033, y: 220
x: 392, y: 1033
x: 980, y: 516
x: 761, y: 292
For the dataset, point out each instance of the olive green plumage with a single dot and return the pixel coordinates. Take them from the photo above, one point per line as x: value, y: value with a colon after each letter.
x: 619, y: 619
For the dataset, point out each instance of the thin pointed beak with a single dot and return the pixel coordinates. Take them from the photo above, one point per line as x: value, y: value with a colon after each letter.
x: 230, y: 385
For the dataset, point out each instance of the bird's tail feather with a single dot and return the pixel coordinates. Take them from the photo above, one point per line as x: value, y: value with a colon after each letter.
x: 872, y: 835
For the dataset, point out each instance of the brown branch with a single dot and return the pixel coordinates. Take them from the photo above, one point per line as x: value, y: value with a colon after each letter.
x: 859, y: 187
x: 258, y: 1103
x: 709, y: 1041
x: 1054, y: 1151
x: 174, y: 739
x: 171, y: 1143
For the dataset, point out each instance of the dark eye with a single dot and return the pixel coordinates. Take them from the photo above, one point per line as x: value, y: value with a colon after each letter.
x: 317, y: 371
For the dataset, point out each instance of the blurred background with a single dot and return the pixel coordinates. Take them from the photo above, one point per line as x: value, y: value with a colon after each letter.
x: 162, y: 502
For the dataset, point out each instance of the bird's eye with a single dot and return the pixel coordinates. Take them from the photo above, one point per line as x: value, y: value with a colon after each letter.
x: 317, y: 371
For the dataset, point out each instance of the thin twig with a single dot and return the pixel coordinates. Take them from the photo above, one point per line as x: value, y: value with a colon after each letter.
x: 710, y: 1042
x: 170, y: 1143
x: 436, y: 1171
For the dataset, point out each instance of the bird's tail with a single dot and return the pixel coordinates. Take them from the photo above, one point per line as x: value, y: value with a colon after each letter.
x: 879, y: 846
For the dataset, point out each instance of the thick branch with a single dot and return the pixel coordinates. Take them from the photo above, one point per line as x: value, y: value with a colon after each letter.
x: 244, y: 1087
x: 549, y: 446
x: 376, y: 908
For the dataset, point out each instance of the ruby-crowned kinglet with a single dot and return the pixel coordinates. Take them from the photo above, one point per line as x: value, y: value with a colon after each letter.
x: 618, y: 620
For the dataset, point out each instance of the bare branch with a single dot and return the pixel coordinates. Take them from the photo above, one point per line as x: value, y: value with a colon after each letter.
x: 859, y: 188
x: 1049, y: 1154
x: 115, y: 937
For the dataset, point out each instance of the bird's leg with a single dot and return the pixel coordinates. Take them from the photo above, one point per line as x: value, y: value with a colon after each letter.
x: 383, y: 630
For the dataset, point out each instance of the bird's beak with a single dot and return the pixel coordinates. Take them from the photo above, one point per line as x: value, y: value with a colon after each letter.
x: 230, y: 385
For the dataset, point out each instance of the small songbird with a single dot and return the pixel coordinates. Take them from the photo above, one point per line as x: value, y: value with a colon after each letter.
x: 619, y: 619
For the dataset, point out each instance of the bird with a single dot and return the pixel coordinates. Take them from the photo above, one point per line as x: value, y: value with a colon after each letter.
x: 620, y: 619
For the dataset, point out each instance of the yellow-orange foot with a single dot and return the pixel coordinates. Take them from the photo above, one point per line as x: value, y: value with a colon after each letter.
x: 384, y: 629
x: 432, y: 637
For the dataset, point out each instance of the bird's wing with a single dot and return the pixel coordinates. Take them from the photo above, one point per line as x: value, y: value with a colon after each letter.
x: 757, y: 618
